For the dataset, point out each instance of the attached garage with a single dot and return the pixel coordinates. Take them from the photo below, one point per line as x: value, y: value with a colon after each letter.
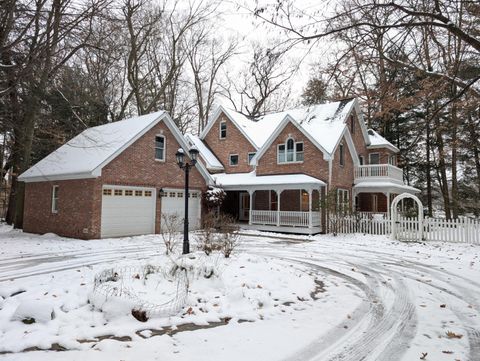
x: 105, y: 182
x: 127, y: 211
x: 173, y: 202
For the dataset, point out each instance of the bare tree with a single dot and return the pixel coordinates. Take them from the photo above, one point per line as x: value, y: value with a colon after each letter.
x: 42, y: 38
x: 207, y: 55
x: 266, y: 76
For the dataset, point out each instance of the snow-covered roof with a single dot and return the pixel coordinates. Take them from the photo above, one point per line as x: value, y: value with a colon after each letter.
x: 377, y: 141
x: 324, y: 123
x: 241, y: 181
x: 85, y: 155
x: 210, y: 159
x: 391, y: 186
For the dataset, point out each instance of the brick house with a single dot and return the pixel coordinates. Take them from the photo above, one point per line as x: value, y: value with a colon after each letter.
x: 277, y: 169
x: 112, y: 180
x: 119, y: 179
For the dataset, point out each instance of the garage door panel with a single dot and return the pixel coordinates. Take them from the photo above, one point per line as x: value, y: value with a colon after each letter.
x: 173, y: 204
x: 127, y: 211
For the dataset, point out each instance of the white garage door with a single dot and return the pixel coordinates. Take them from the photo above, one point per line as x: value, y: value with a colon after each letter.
x: 173, y: 201
x: 127, y: 211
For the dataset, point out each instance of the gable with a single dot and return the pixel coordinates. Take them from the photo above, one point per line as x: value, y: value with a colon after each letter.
x: 221, y: 114
x: 138, y: 164
x: 287, y: 121
x: 313, y: 164
x: 235, y: 143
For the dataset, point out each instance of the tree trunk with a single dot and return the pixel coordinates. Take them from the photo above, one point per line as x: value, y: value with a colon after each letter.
x: 454, y: 145
x: 442, y: 173
x: 428, y: 170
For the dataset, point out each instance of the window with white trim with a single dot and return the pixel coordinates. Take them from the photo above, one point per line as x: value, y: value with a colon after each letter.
x: 290, y: 152
x: 55, y: 199
x: 343, y: 201
x: 233, y: 159
x: 160, y: 147
x: 392, y: 160
x: 361, y: 159
x: 223, y: 130
x: 342, y: 154
x: 250, y: 157
x: 352, y: 124
x: 374, y: 158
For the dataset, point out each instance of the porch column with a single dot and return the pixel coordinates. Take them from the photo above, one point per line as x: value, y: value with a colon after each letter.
x: 250, y: 192
x: 279, y: 192
x: 310, y: 221
x: 354, y: 200
x: 388, y: 205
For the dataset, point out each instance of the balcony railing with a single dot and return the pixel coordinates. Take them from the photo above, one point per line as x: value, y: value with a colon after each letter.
x: 375, y: 171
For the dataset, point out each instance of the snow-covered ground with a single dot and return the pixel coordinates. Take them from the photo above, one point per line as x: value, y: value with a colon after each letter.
x: 357, y: 298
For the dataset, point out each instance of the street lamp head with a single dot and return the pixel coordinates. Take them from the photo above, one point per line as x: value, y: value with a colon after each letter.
x: 193, y: 154
x: 180, y: 157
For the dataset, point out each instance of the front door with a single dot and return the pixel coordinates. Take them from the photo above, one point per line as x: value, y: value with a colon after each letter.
x: 244, y: 207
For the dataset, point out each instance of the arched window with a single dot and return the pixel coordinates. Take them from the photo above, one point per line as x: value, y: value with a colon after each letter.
x: 290, y: 146
x: 290, y: 151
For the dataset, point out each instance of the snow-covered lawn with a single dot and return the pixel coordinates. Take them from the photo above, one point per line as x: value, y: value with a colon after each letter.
x: 280, y: 297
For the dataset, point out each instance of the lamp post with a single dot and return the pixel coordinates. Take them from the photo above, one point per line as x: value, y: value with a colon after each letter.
x: 186, y: 168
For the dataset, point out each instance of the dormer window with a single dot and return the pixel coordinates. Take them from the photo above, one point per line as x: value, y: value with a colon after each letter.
x: 290, y: 151
x: 160, y: 148
x: 223, y: 130
x: 352, y: 124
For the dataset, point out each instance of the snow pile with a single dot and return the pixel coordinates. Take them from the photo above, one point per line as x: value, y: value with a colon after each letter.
x: 34, y: 311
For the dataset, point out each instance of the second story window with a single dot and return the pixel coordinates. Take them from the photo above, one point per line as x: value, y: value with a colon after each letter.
x: 374, y: 158
x: 352, y: 124
x: 233, y: 159
x: 223, y: 130
x: 290, y: 151
x: 160, y: 147
x: 361, y: 159
x: 341, y: 150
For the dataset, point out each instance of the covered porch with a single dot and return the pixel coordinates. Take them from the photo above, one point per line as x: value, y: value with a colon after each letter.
x: 373, y: 199
x: 282, y: 203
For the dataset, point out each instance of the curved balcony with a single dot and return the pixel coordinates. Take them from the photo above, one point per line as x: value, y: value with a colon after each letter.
x: 375, y: 172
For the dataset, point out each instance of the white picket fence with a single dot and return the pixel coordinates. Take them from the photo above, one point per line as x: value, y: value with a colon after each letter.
x: 408, y: 228
x: 455, y: 230
x: 359, y: 224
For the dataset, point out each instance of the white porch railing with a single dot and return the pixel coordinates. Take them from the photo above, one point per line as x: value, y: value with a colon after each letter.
x: 364, y: 172
x: 287, y: 218
x: 264, y: 217
x: 291, y: 218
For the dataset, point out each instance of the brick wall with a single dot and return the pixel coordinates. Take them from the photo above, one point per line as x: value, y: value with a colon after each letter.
x: 234, y: 143
x: 313, y: 164
x: 261, y: 201
x: 80, y: 201
x: 384, y: 154
x: 357, y: 137
x: 76, y: 208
